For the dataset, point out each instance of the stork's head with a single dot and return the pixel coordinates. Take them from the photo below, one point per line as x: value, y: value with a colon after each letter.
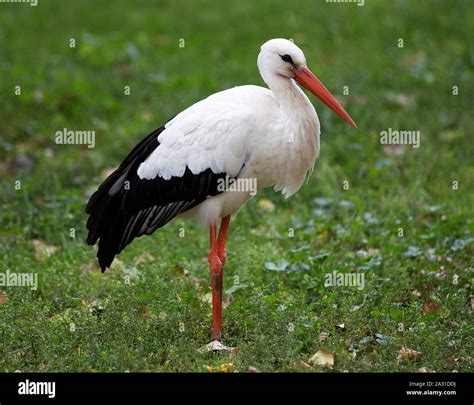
x: 282, y: 58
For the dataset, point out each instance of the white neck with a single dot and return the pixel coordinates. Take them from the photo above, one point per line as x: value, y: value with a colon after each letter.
x: 299, y: 118
x: 286, y: 91
x: 294, y: 104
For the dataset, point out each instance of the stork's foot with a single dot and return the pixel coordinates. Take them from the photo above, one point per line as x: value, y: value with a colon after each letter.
x: 217, y: 346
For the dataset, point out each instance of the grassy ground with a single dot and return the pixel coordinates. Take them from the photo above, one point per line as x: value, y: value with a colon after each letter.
x: 417, y: 291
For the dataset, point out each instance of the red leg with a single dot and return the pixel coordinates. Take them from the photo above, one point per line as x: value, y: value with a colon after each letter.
x: 217, y: 258
x: 222, y: 238
x: 215, y: 266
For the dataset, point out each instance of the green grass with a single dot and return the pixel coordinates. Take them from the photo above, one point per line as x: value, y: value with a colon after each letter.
x: 81, y: 320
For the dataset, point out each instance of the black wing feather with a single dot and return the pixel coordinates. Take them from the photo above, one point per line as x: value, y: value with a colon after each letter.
x: 125, y: 206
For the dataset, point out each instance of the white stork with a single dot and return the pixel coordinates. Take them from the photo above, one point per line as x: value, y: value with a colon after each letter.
x: 248, y: 132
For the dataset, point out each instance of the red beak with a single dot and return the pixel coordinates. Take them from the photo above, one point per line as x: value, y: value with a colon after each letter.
x: 309, y: 81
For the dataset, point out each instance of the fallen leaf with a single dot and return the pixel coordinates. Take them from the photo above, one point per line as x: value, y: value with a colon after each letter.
x: 143, y: 258
x: 253, y: 370
x: 472, y: 303
x: 42, y: 250
x: 424, y: 370
x: 323, y: 336
x: 95, y: 306
x: 430, y: 304
x: 416, y: 294
x: 223, y: 368
x: 3, y: 297
x: 454, y: 359
x: 408, y: 354
x: 322, y: 357
x: 206, y: 298
x: 181, y: 270
x: 302, y: 366
x: 266, y: 205
x: 372, y: 251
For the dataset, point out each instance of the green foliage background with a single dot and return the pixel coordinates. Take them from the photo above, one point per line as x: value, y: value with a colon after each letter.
x: 81, y: 320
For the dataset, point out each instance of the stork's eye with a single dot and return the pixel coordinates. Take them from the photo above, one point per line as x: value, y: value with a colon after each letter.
x: 287, y: 58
